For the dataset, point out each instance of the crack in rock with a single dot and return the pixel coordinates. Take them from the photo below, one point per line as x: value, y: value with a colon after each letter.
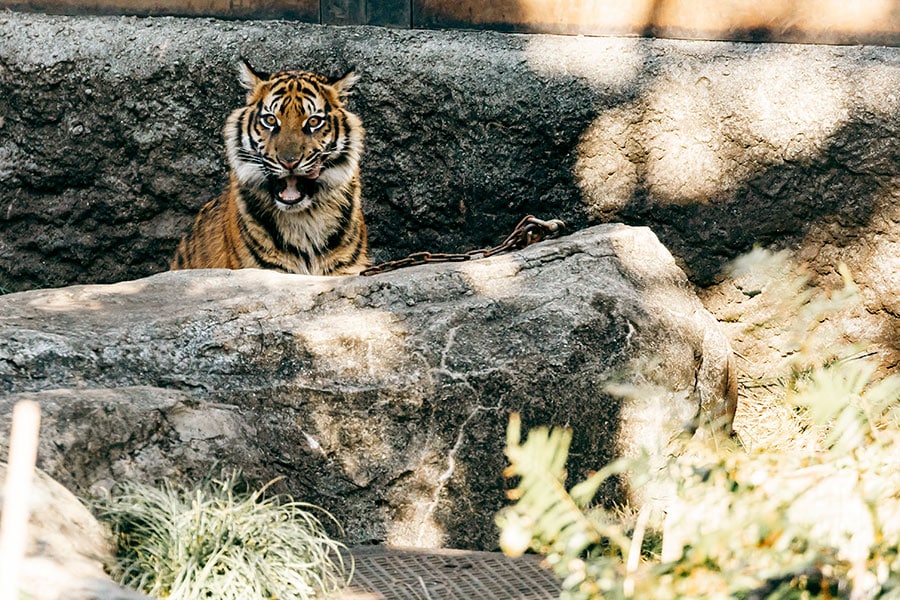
x: 451, y: 467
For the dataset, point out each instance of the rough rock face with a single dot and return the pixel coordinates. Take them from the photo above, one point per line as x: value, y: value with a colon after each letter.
x: 66, y: 548
x: 382, y: 399
x: 110, y: 141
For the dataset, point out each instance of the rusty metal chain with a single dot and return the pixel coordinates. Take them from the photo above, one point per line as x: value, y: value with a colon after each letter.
x: 530, y: 230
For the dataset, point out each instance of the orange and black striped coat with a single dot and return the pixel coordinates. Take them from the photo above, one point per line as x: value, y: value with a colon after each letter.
x: 293, y: 202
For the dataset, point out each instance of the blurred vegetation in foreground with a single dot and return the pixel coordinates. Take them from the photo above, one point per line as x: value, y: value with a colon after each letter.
x: 803, y: 502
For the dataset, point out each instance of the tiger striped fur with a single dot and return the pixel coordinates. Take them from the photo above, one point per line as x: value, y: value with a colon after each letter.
x: 293, y: 202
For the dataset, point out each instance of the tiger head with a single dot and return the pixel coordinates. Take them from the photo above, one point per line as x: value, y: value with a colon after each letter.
x: 294, y: 137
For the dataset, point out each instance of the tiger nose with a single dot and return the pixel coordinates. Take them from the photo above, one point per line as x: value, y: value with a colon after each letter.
x: 289, y: 162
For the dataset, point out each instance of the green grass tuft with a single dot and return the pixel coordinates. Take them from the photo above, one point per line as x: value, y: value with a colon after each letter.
x: 215, y: 542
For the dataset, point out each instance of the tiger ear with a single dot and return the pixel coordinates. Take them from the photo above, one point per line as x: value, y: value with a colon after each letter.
x: 250, y: 77
x: 343, y: 85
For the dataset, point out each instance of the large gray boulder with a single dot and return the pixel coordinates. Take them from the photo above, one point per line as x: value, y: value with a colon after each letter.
x: 66, y: 548
x: 383, y: 399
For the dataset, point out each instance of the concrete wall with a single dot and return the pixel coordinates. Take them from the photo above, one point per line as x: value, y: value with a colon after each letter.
x: 805, y: 21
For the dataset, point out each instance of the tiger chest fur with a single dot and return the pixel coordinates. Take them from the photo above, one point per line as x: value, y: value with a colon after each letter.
x: 293, y: 201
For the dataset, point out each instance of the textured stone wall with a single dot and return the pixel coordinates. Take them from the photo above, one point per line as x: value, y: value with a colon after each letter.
x: 110, y: 141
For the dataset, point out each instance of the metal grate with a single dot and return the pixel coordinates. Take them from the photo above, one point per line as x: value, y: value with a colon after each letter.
x: 412, y: 574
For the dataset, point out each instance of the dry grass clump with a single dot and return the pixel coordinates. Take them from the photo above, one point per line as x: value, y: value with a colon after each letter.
x: 793, y: 323
x: 214, y: 542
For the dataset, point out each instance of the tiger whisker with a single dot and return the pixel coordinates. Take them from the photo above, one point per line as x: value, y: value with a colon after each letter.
x: 249, y: 156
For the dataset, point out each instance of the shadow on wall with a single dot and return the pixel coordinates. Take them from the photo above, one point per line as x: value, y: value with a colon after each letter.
x: 715, y: 150
x: 104, y: 164
x: 716, y: 162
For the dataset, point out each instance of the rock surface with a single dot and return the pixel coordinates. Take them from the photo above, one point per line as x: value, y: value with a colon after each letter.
x: 110, y: 141
x: 66, y: 548
x: 382, y: 399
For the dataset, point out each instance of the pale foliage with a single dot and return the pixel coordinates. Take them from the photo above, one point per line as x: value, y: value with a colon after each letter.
x: 214, y: 542
x: 807, y: 507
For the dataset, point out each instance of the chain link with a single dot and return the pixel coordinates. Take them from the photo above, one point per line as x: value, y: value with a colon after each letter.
x: 530, y: 230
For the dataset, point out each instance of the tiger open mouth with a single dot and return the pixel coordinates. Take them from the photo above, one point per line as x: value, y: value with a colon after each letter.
x: 292, y: 189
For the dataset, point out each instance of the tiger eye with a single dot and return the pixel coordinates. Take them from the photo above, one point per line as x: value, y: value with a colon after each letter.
x: 314, y: 121
x: 269, y: 120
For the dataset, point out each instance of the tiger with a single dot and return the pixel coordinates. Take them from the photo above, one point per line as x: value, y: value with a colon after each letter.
x: 293, y: 203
